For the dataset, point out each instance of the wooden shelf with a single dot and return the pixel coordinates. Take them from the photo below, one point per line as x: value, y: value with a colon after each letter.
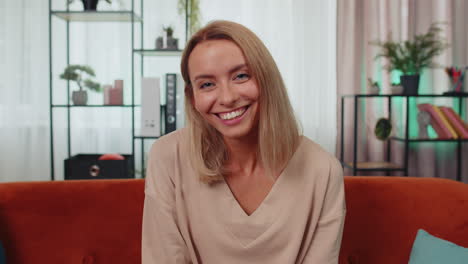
x: 375, y: 166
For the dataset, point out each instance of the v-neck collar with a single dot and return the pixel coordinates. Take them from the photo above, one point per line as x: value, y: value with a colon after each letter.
x: 247, y: 228
x: 231, y: 196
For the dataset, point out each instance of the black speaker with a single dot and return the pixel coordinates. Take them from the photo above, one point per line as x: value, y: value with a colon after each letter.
x: 171, y: 101
x: 88, y: 167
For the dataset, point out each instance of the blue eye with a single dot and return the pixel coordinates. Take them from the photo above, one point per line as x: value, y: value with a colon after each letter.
x: 206, y: 85
x: 242, y: 76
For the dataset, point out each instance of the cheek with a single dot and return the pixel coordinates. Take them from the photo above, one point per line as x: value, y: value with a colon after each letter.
x: 252, y: 91
x: 203, y: 102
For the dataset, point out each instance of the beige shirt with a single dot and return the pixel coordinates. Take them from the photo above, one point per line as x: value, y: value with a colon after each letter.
x: 187, y: 221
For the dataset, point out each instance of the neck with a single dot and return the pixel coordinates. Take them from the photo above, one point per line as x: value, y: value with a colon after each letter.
x: 242, y: 155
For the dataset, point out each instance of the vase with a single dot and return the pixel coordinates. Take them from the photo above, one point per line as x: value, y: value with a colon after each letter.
x: 90, y: 5
x: 375, y: 89
x: 80, y: 97
x: 410, y: 84
x: 159, y: 43
x: 397, y: 89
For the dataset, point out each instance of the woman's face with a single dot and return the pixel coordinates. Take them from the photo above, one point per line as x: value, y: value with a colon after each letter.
x: 225, y: 92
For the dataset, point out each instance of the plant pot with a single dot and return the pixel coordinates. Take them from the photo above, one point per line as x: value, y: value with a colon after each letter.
x: 90, y: 5
x: 410, y: 84
x: 172, y: 43
x: 80, y: 97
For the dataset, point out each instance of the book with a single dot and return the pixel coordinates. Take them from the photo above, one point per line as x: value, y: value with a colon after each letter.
x: 445, y: 122
x: 455, y: 120
x: 436, y: 122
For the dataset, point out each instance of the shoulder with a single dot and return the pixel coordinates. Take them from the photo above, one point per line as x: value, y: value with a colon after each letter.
x: 324, y: 173
x: 318, y: 161
x: 162, y: 160
x: 313, y: 152
x: 167, y: 147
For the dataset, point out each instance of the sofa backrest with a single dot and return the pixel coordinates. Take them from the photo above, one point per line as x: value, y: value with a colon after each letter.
x: 88, y: 222
x: 384, y: 214
x: 76, y: 222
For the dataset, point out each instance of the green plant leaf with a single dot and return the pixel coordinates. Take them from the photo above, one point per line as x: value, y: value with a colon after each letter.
x: 412, y: 56
x: 94, y: 86
x: 75, y: 72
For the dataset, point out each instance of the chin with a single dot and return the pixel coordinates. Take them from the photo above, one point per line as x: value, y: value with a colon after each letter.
x: 238, y: 132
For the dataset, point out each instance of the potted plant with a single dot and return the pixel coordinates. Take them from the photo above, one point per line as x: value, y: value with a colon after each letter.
x: 76, y: 73
x: 169, y: 31
x: 89, y: 5
x: 171, y: 42
x: 412, y: 56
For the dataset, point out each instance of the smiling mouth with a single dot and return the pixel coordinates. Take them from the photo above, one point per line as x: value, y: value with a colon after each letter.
x: 233, y: 114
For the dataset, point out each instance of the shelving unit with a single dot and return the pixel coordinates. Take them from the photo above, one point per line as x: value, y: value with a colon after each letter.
x: 127, y: 16
x: 98, y: 16
x: 159, y: 53
x: 388, y: 166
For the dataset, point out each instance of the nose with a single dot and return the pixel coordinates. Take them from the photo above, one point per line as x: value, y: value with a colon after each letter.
x: 228, y: 95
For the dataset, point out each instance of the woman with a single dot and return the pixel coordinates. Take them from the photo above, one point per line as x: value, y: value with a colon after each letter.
x: 239, y: 184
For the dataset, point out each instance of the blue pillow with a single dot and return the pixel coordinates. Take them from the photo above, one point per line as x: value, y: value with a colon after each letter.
x: 428, y: 249
x: 2, y: 254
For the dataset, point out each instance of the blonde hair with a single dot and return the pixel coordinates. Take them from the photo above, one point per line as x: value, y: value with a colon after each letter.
x: 278, y: 130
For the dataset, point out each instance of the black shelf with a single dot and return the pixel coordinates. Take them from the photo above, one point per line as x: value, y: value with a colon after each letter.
x: 145, y: 137
x: 429, y: 139
x: 159, y: 53
x: 387, y: 165
x: 93, y: 106
x: 136, y: 21
x: 97, y: 16
x: 403, y: 95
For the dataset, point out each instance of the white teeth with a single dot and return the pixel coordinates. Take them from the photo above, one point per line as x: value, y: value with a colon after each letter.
x: 233, y: 114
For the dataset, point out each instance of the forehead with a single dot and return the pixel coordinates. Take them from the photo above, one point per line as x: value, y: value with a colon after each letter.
x: 213, y: 56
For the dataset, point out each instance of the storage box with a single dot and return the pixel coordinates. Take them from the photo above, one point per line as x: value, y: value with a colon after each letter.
x: 88, y: 167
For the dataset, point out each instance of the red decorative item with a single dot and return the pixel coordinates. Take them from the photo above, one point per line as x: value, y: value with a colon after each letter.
x: 111, y: 157
x: 456, y: 77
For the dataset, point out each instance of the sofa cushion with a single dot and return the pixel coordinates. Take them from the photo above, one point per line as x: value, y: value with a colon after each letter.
x: 428, y: 249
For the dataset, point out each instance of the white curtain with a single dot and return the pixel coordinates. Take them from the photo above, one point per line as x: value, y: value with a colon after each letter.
x: 24, y: 91
x: 363, y: 21
x: 299, y: 34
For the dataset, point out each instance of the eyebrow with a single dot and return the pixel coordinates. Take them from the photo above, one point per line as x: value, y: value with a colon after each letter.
x: 234, y: 69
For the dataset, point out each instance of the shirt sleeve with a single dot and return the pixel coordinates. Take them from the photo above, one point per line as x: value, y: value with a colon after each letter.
x: 326, y: 241
x: 162, y: 241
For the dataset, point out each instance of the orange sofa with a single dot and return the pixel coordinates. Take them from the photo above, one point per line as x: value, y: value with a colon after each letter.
x: 91, y: 222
